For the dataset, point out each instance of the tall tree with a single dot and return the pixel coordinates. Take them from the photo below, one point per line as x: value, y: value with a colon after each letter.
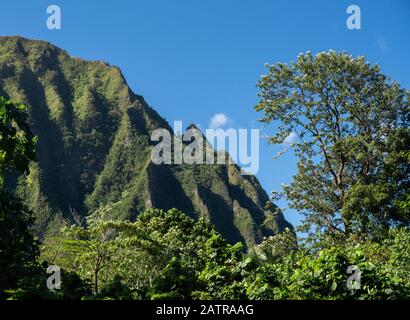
x: 351, y: 125
x: 18, y: 249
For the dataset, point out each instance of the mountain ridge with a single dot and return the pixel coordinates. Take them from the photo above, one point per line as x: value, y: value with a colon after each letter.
x: 94, y: 148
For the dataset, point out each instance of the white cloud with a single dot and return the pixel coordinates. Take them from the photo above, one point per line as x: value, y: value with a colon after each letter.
x: 219, y: 120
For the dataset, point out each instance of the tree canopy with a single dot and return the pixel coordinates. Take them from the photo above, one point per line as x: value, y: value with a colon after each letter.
x: 17, y: 142
x: 351, y: 125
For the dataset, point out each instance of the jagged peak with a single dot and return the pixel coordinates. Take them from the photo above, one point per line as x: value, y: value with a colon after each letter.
x: 193, y: 126
x: 98, y: 166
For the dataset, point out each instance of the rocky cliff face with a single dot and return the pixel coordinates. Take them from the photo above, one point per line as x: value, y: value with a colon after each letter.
x: 94, y: 148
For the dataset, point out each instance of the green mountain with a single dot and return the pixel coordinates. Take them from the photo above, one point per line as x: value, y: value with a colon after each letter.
x: 94, y: 148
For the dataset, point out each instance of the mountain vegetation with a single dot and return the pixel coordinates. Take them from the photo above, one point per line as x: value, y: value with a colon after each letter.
x: 94, y: 148
x: 352, y: 185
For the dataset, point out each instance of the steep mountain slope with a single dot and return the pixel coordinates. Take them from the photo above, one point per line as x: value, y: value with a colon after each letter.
x: 94, y: 148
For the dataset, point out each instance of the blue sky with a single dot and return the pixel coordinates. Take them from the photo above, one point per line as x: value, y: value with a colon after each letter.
x: 192, y: 59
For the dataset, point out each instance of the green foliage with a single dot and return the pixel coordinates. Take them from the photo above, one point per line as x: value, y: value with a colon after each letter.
x: 94, y: 146
x: 175, y: 281
x: 167, y: 255
x: 275, y: 248
x: 18, y: 249
x: 17, y: 143
x: 96, y: 245
x: 352, y: 184
x: 156, y: 255
x: 22, y: 277
x: 115, y: 290
x: 223, y: 271
x: 33, y: 286
x: 321, y: 273
x: 351, y: 125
